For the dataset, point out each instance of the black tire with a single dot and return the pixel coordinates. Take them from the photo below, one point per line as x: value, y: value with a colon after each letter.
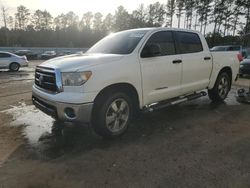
x: 220, y: 91
x: 14, y: 67
x: 103, y: 112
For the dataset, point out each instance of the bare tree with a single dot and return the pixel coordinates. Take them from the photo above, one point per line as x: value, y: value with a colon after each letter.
x: 108, y: 23
x: 10, y: 22
x: 87, y: 20
x: 155, y: 14
x: 97, y: 22
x: 4, y: 14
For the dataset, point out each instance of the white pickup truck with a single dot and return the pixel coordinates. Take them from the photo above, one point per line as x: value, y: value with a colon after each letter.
x: 128, y: 71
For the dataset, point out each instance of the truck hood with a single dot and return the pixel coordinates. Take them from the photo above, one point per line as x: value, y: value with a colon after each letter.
x: 75, y: 62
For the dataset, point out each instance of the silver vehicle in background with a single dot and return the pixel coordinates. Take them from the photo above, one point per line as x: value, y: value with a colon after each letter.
x: 48, y: 55
x: 12, y: 61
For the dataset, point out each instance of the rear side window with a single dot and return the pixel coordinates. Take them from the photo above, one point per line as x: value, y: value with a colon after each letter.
x: 165, y: 40
x: 189, y: 42
x: 3, y: 55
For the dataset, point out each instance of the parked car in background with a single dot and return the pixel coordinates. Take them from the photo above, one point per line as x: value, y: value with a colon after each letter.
x: 236, y: 48
x: 48, y: 55
x: 245, y: 67
x: 28, y: 53
x: 79, y: 52
x: 64, y: 53
x: 12, y: 61
x: 226, y: 48
x: 245, y: 52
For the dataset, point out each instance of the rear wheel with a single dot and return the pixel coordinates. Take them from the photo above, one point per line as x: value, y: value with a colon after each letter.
x: 112, y: 115
x: 221, y: 88
x: 14, y: 67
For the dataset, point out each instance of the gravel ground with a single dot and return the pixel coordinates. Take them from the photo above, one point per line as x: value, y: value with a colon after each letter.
x: 195, y: 144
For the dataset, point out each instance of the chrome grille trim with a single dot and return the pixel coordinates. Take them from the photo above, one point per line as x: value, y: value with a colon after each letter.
x: 59, y: 80
x: 51, y: 80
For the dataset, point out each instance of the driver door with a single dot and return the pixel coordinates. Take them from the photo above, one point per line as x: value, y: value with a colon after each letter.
x: 161, y: 71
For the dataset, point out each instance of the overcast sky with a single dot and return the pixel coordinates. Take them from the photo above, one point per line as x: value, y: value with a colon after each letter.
x: 56, y: 7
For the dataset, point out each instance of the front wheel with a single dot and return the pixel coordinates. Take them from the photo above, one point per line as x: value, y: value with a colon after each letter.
x: 221, y: 88
x: 112, y: 115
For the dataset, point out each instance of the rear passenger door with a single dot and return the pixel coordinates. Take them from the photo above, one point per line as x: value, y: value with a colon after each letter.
x: 196, y: 62
x: 161, y: 74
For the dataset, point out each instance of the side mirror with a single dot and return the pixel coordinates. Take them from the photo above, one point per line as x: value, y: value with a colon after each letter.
x: 151, y: 50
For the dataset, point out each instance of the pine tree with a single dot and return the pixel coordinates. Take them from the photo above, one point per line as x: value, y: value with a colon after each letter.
x: 22, y: 17
x: 170, y: 11
x: 179, y: 10
x: 245, y: 4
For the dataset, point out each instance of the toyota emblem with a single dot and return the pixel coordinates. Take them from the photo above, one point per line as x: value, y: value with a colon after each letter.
x: 40, y: 79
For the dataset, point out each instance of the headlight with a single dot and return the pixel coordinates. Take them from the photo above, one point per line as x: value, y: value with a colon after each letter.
x: 75, y: 78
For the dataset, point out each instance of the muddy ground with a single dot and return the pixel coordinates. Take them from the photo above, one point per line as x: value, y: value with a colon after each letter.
x: 195, y: 144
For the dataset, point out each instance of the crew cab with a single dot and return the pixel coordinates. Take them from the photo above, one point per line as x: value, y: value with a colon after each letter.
x: 130, y: 71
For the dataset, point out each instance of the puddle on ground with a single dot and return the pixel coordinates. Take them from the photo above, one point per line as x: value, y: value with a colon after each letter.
x: 35, y: 122
x: 45, y: 137
x: 25, y: 74
x: 49, y: 139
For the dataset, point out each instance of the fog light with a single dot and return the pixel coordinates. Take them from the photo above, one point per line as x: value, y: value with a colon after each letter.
x: 70, y: 113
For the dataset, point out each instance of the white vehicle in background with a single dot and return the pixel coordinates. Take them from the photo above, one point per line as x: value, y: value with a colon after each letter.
x: 12, y: 61
x: 140, y: 69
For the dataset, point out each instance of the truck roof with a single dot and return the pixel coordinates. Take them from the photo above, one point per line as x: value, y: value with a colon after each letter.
x: 164, y: 28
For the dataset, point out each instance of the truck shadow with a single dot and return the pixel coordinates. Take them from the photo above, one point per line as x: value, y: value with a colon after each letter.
x: 66, y: 140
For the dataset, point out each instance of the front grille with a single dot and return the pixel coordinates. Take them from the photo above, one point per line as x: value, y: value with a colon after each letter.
x: 46, y: 79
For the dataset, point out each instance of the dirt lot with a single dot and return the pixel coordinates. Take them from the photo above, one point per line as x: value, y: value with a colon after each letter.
x: 195, y: 144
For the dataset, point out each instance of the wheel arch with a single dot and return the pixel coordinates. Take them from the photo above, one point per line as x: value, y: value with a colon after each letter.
x: 226, y: 69
x: 15, y: 62
x: 97, y: 119
x: 128, y: 88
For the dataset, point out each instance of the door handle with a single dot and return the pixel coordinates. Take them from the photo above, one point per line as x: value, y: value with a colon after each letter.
x: 177, y: 61
x: 207, y: 58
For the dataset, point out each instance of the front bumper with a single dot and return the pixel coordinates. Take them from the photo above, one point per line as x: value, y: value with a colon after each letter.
x: 24, y: 64
x: 57, y: 109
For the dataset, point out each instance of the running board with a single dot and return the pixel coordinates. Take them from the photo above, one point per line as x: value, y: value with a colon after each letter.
x: 174, y: 101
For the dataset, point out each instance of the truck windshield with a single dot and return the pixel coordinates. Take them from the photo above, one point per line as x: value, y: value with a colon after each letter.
x: 118, y: 43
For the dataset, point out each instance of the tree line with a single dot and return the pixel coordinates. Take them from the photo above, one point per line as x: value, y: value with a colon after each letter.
x: 221, y: 21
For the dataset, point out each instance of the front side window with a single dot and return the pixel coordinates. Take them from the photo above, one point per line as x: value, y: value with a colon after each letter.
x: 189, y: 42
x: 4, y: 55
x: 162, y: 41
